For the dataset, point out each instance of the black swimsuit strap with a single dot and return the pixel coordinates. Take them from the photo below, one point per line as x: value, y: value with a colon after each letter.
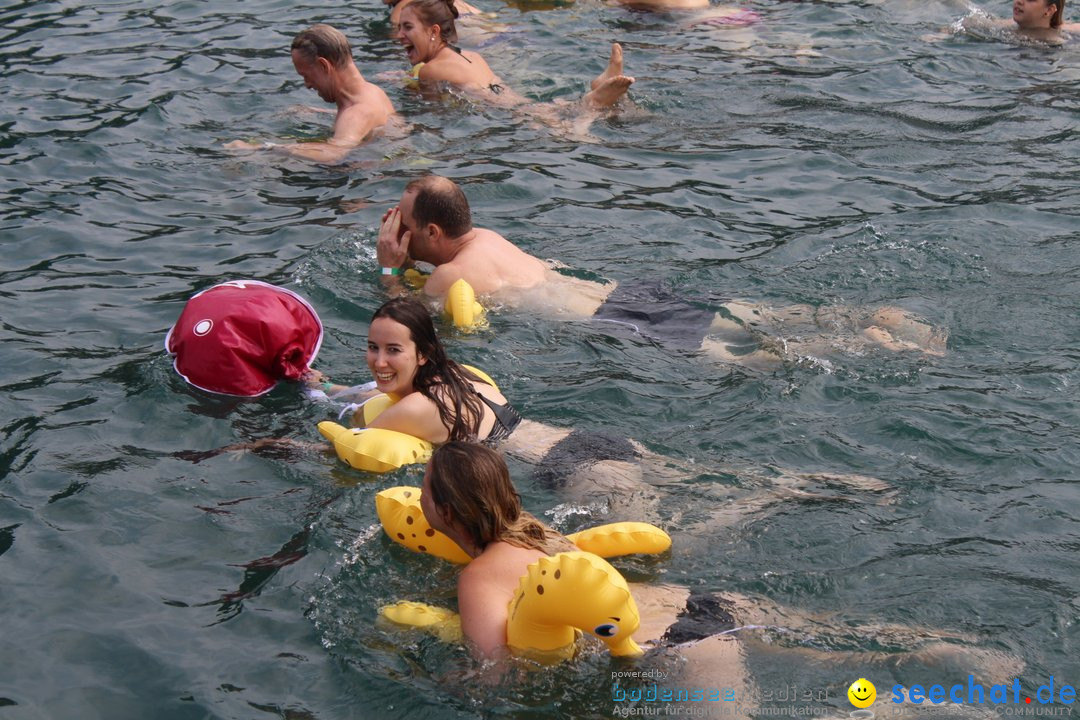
x: 458, y: 51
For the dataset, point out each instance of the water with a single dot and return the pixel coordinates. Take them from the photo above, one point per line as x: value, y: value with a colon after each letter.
x: 832, y: 154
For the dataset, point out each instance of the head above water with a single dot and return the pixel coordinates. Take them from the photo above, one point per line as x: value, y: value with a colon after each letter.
x: 417, y: 320
x: 1059, y: 13
x: 438, y: 378
x: 323, y: 41
x: 436, y: 13
x: 470, y: 487
x: 1037, y: 14
x: 440, y: 201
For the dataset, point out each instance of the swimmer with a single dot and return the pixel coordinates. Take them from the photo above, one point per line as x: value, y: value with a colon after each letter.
x: 468, y: 495
x: 440, y: 401
x: 1041, y: 20
x: 396, y: 6
x: 433, y: 224
x: 428, y: 34
x: 323, y: 58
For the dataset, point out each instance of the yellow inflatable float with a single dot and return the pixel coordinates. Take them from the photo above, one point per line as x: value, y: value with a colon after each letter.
x: 376, y: 449
x: 557, y: 596
x: 461, y: 306
x: 403, y: 521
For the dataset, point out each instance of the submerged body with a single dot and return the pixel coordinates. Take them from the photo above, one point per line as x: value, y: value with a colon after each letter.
x: 427, y: 31
x: 1040, y: 20
x: 322, y: 57
x: 433, y: 224
x: 468, y: 495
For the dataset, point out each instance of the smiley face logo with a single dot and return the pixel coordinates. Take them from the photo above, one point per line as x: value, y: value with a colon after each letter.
x: 862, y: 693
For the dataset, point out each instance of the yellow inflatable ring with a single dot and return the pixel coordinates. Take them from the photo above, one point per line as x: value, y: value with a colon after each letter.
x: 557, y: 596
x: 403, y: 521
x: 376, y: 449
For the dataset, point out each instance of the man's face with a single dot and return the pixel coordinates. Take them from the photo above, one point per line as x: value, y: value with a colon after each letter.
x: 419, y: 243
x: 316, y: 76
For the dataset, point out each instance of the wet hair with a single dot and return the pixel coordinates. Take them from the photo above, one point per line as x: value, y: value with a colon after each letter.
x: 473, y: 483
x: 437, y: 12
x: 439, y: 200
x: 440, y: 379
x: 323, y: 41
x: 1059, y: 14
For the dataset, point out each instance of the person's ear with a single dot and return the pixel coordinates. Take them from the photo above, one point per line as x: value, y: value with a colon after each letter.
x: 445, y: 514
x: 324, y: 64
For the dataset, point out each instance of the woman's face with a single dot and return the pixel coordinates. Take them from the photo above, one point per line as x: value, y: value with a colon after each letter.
x: 392, y: 357
x: 416, y: 37
x: 1030, y: 14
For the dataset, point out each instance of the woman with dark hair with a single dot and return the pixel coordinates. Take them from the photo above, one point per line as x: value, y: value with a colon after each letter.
x: 438, y: 399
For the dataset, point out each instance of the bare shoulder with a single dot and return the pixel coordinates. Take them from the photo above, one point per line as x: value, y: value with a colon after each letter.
x: 489, y: 237
x: 356, y: 122
x: 377, y: 99
x: 466, y: 70
x: 416, y: 415
x: 414, y: 408
x: 492, y: 577
x: 501, y: 565
x: 440, y: 71
x: 476, y: 59
x: 442, y: 277
x: 494, y: 246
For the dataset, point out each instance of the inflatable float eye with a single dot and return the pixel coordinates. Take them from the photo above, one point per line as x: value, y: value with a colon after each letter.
x: 607, y: 630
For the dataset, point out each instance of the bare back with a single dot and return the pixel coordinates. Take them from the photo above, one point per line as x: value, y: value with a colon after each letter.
x: 490, y: 263
x: 464, y: 69
x: 494, y: 266
x: 485, y: 589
